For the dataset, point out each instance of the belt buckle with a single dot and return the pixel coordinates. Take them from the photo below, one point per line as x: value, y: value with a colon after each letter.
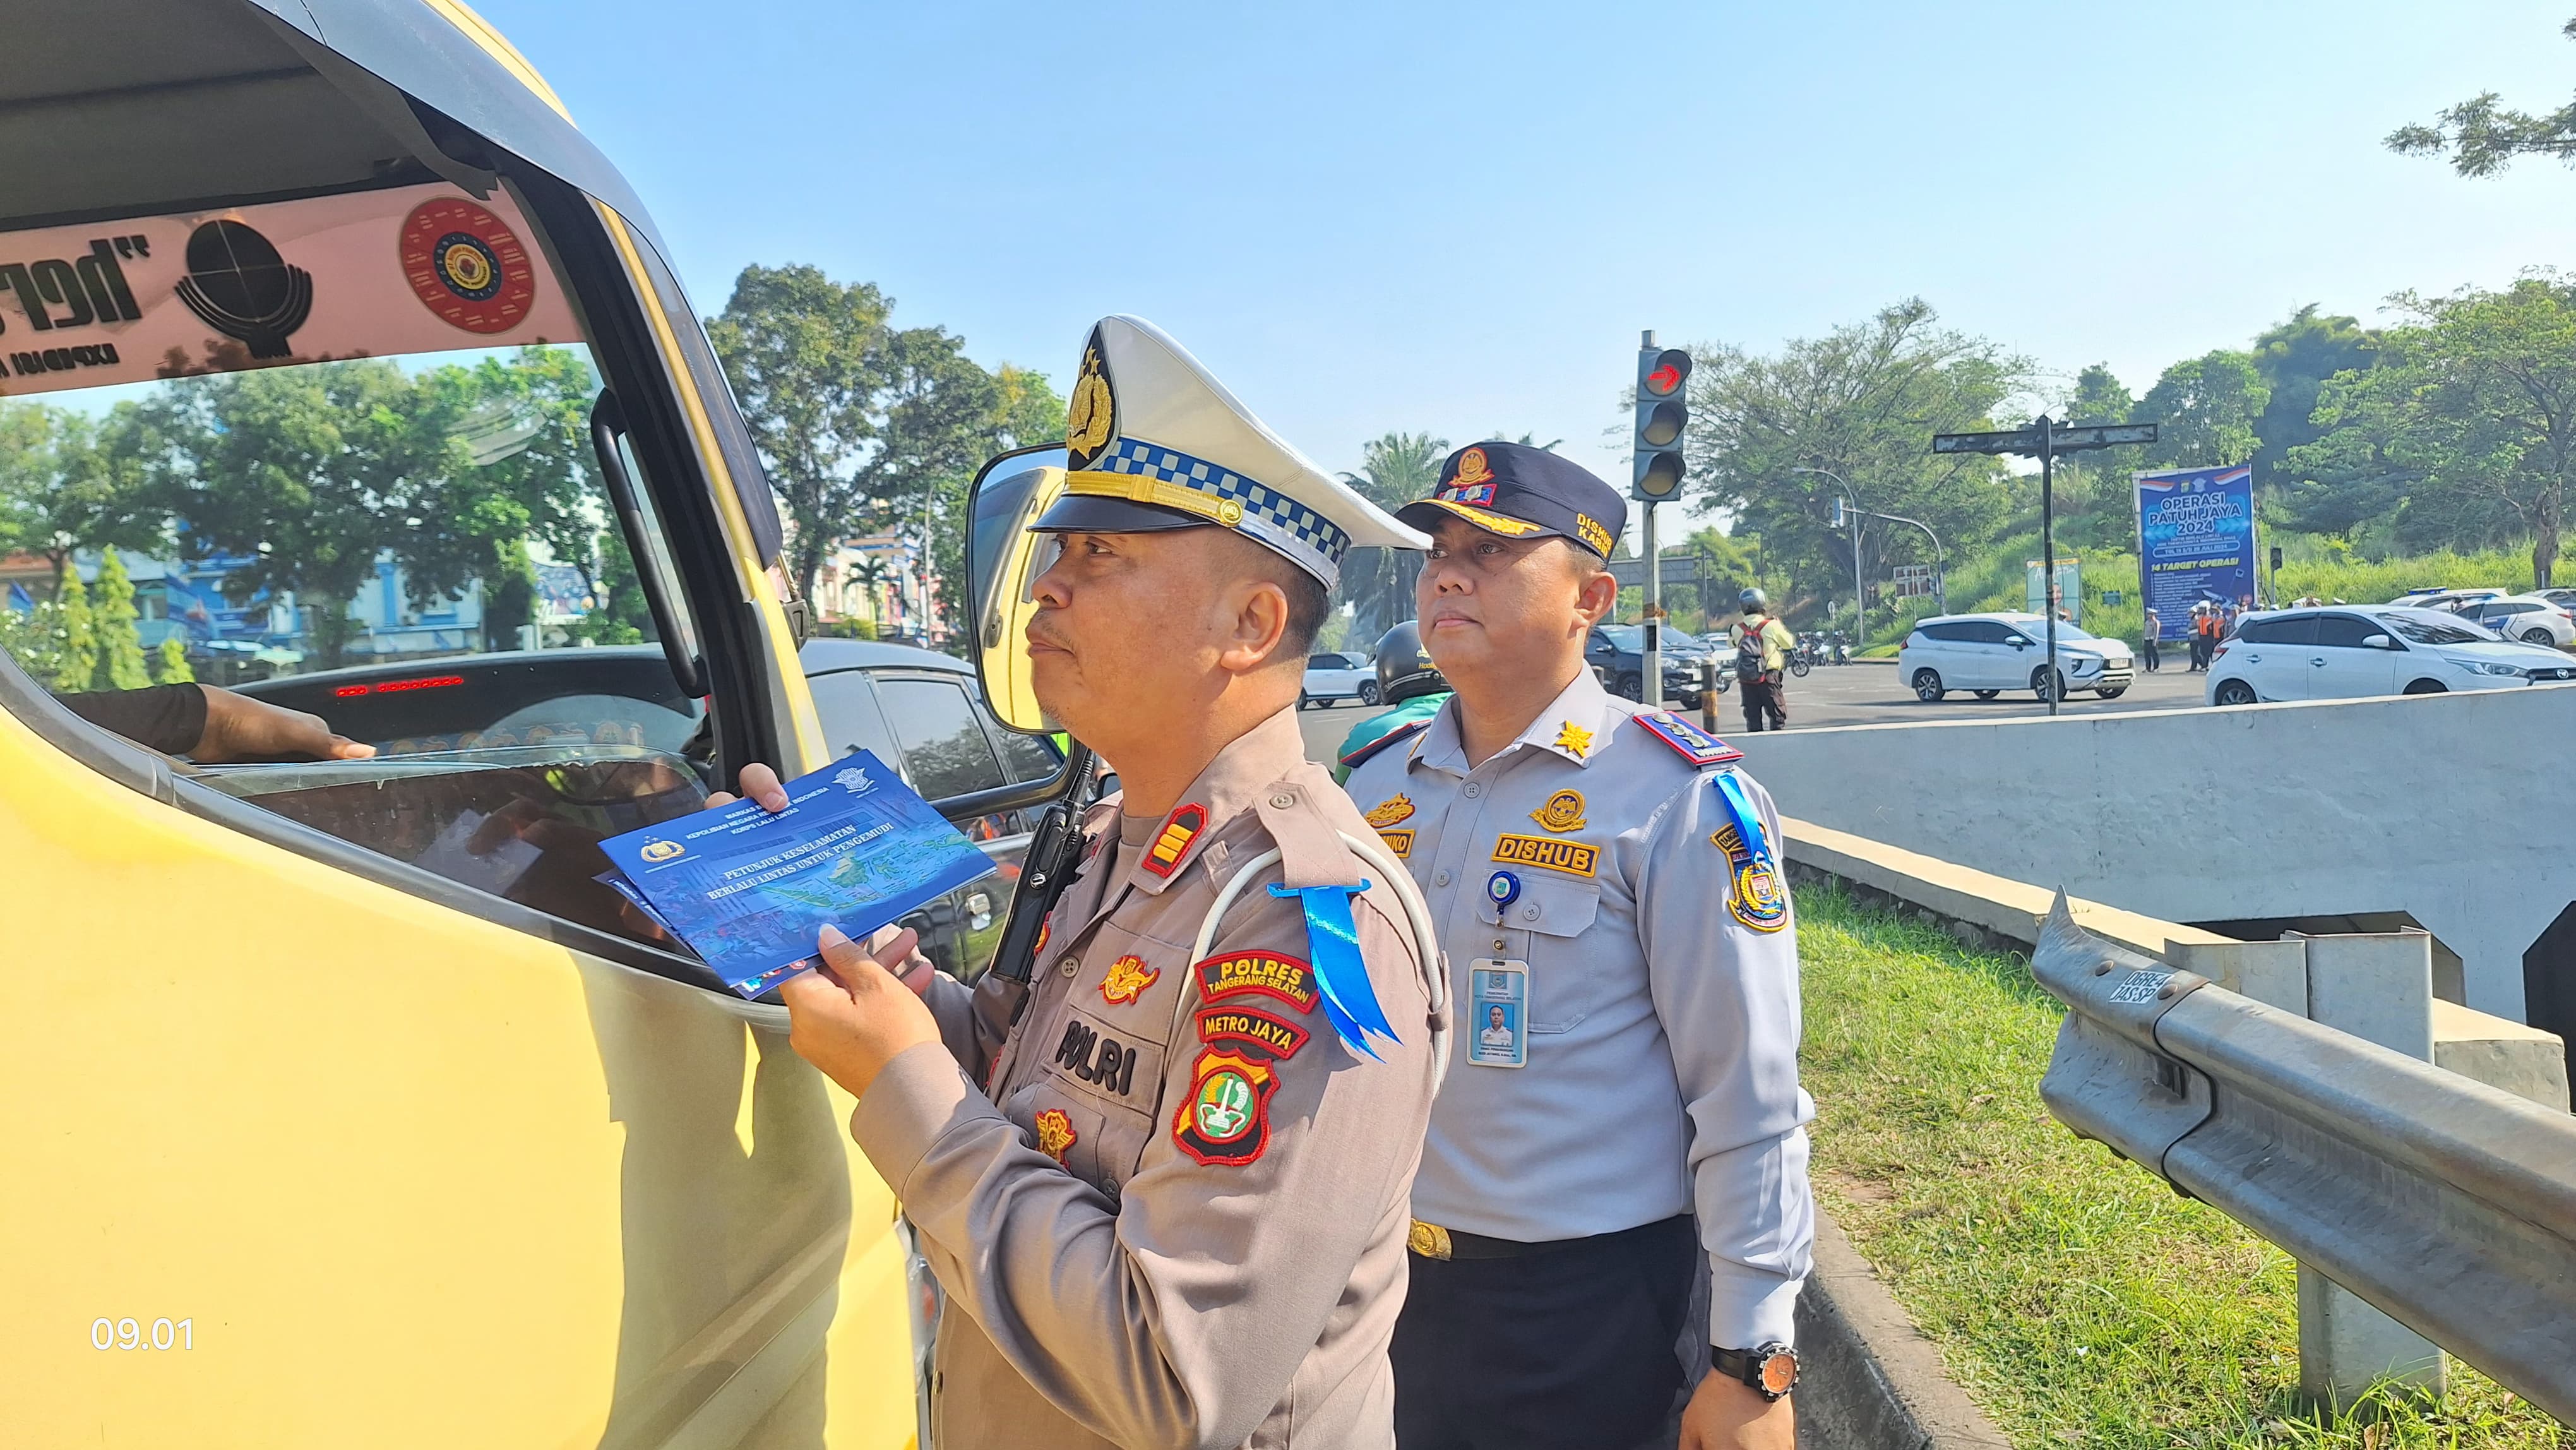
x: 1429, y: 1240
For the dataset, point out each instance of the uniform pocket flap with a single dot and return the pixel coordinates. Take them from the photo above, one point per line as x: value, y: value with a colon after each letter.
x: 1547, y: 904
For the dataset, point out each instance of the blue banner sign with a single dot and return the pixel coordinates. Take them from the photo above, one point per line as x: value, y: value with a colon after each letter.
x: 2195, y: 542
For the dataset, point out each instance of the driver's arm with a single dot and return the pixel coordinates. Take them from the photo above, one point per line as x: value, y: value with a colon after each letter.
x: 213, y: 724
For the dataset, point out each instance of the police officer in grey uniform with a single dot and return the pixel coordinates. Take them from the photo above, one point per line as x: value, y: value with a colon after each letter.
x: 1609, y: 895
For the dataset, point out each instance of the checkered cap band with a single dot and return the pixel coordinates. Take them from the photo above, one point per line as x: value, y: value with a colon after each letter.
x: 1305, y: 536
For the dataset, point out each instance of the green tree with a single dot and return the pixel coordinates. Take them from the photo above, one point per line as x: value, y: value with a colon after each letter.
x: 61, y: 491
x: 521, y: 473
x: 1026, y: 414
x: 2204, y: 409
x: 174, y: 666
x: 2480, y: 137
x: 861, y: 423
x: 2469, y: 416
x: 1862, y: 401
x: 619, y: 613
x: 2294, y: 359
x: 120, y: 642
x: 310, y: 472
x: 76, y: 655
x: 1395, y: 470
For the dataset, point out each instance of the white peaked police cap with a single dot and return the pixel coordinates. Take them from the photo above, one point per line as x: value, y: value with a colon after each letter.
x: 1158, y: 443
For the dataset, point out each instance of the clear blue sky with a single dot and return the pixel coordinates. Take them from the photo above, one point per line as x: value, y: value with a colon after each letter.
x: 1392, y: 216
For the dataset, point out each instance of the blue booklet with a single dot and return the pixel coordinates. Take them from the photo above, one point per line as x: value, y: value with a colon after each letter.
x: 749, y: 891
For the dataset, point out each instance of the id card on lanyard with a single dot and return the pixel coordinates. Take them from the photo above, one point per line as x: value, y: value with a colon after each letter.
x: 1498, y: 1013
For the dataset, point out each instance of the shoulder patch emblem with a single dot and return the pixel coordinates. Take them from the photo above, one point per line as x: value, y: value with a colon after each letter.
x: 1400, y: 842
x: 1406, y: 731
x: 1571, y: 858
x: 1563, y: 812
x: 1688, y: 741
x: 1266, y: 974
x: 1247, y: 1027
x: 1055, y: 1134
x: 1573, y: 739
x: 1754, y: 894
x: 1128, y: 978
x: 1180, y: 828
x: 1225, y: 1119
x: 1388, y: 812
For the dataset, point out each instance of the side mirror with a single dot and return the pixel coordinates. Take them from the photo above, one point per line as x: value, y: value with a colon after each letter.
x: 2378, y: 641
x: 1002, y: 560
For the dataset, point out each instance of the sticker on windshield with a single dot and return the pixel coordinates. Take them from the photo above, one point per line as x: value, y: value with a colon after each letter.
x: 359, y: 274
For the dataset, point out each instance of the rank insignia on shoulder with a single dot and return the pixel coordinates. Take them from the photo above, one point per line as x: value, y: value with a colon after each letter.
x: 1055, y: 1134
x: 1225, y: 1120
x: 1128, y: 978
x: 1250, y: 1028
x: 1359, y: 754
x: 1391, y: 811
x: 1563, y: 812
x: 1267, y: 974
x: 1180, y: 828
x: 1688, y: 741
x: 1573, y: 739
x: 1399, y: 841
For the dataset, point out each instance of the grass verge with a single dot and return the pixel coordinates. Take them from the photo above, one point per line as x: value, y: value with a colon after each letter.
x: 2078, y: 1300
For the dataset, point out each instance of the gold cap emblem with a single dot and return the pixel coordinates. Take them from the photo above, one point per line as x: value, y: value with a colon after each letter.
x: 1473, y: 468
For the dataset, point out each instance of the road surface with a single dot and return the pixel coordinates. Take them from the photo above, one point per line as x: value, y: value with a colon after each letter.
x: 1862, y: 694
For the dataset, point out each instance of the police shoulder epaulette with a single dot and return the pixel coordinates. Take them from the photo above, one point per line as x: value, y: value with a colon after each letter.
x: 1688, y: 741
x: 1405, y: 731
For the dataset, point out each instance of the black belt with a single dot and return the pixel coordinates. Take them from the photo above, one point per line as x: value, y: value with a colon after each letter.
x: 1432, y: 1241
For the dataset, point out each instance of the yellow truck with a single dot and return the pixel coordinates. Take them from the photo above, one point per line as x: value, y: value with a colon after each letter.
x: 340, y: 1104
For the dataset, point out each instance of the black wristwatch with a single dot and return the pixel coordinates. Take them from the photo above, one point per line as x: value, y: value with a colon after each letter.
x: 1772, y: 1370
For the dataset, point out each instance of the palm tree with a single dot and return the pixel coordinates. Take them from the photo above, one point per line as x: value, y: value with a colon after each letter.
x: 873, y: 573
x: 1394, y: 471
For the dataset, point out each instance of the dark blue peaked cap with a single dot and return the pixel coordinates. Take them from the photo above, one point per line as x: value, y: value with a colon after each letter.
x: 1518, y: 491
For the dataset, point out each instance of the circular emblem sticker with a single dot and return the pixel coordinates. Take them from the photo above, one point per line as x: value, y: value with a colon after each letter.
x: 1223, y: 1111
x: 1502, y: 888
x: 464, y: 265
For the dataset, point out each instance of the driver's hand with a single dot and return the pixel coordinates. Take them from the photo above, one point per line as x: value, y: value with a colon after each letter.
x: 895, y: 949
x: 760, y: 783
x: 241, y: 728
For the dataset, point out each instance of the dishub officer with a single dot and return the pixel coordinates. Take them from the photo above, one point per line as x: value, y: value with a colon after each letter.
x: 1170, y: 1209
x: 1608, y: 895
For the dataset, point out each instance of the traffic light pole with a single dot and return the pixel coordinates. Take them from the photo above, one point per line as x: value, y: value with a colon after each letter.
x: 1663, y: 416
x: 1651, y: 688
x: 2048, y: 546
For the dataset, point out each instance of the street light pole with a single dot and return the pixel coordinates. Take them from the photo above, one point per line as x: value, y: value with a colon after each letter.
x: 2044, y: 440
x: 1860, y: 605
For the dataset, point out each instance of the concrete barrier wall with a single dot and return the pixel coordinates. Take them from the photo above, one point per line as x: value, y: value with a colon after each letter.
x: 2457, y: 809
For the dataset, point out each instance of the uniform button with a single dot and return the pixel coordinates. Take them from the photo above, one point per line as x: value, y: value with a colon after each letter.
x: 1282, y: 801
x: 1068, y: 965
x: 1530, y: 912
x: 1440, y: 878
x: 1472, y: 790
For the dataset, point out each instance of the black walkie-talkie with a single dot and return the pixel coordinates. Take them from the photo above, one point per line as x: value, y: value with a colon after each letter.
x: 1054, y: 858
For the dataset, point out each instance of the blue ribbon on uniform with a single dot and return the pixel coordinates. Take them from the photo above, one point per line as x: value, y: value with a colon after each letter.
x: 1748, y: 822
x: 1341, y: 977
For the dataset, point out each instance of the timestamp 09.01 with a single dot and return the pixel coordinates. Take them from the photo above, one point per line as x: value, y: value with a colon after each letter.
x: 106, y: 1333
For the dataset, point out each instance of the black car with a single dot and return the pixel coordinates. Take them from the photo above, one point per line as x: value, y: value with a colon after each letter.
x: 497, y: 733
x: 1618, y: 653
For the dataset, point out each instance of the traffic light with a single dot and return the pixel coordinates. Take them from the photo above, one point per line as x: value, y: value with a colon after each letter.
x: 1663, y: 416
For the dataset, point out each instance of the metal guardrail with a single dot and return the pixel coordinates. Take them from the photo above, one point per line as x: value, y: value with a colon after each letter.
x: 2447, y: 1204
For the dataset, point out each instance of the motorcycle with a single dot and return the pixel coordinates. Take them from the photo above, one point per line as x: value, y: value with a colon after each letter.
x: 1802, y: 657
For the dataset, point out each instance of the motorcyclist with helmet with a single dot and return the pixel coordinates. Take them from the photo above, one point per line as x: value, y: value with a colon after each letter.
x: 1406, y: 679
x: 1762, y: 646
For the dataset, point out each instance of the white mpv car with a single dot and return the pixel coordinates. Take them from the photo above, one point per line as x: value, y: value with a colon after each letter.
x: 1992, y: 653
x: 2342, y: 654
